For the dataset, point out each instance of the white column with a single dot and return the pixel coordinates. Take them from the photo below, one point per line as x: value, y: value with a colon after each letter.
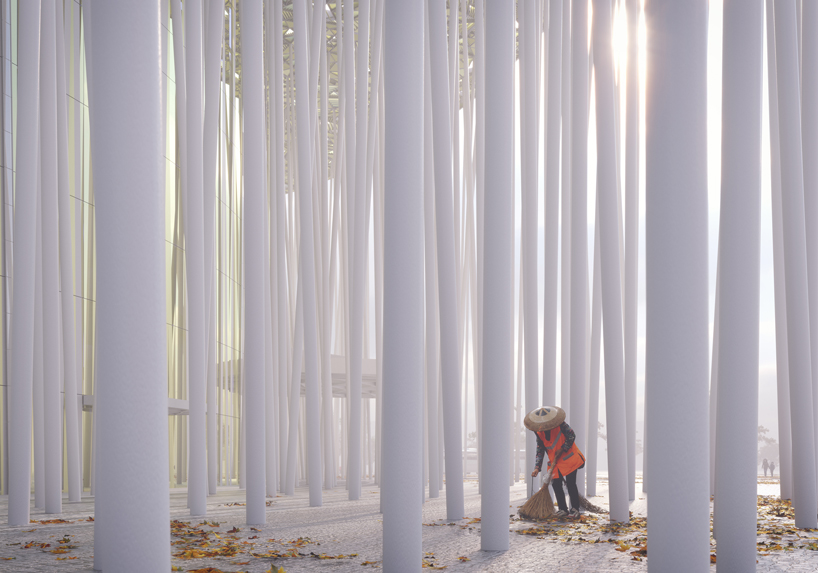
x: 480, y: 151
x: 739, y: 247
x: 212, y: 96
x: 795, y: 253
x: 498, y: 284
x: 565, y: 217
x: 195, y: 263
x: 21, y: 347
x: 430, y: 267
x: 631, y: 299
x: 52, y: 398
x: 305, y: 149
x: 609, y: 263
x: 782, y: 365
x: 73, y: 450
x: 591, y: 453
x: 131, y: 390
x: 809, y: 126
x: 676, y: 363
x: 403, y: 286
x: 530, y: 124
x: 254, y: 202
x: 579, y: 224
x: 552, y: 203
x: 278, y: 191
x: 39, y: 415
x: 447, y: 293
x: 360, y: 232
x: 270, y: 438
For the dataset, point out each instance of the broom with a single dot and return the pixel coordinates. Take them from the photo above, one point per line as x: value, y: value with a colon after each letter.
x: 540, y: 505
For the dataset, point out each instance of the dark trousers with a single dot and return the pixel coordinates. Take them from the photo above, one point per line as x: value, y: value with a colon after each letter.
x: 573, y: 492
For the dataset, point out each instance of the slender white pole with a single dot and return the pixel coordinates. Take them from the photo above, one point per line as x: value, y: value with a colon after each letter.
x: 131, y: 372
x: 444, y: 217
x: 52, y: 399
x: 739, y: 247
x: 212, y: 83
x: 72, y: 440
x: 480, y: 152
x: 279, y: 190
x: 498, y: 284
x: 565, y: 227
x: 195, y: 262
x: 631, y: 299
x: 798, y: 334
x: 782, y: 364
x: 403, y: 286
x: 591, y: 456
x: 38, y: 389
x: 610, y: 262
x: 552, y: 203
x: 430, y: 260
x: 676, y: 362
x: 305, y: 147
x: 529, y: 124
x: 809, y: 135
x: 254, y: 202
x: 579, y: 232
x: 359, y: 257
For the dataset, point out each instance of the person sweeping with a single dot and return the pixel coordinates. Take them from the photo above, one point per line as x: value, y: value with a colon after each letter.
x: 556, y: 438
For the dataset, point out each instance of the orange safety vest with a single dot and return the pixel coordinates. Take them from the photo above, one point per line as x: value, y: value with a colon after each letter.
x: 569, y: 461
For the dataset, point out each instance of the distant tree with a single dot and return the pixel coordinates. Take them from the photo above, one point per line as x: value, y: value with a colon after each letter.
x: 767, y: 446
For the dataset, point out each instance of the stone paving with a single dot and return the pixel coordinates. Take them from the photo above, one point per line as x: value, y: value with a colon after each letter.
x: 341, y: 536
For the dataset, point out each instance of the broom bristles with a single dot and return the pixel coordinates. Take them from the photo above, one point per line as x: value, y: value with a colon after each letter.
x: 539, y: 505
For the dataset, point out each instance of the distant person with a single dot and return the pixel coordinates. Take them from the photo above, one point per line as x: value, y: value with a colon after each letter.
x: 765, y: 465
x: 772, y: 469
x: 564, y: 458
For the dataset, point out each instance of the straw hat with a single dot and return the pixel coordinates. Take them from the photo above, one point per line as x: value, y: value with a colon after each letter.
x: 544, y: 418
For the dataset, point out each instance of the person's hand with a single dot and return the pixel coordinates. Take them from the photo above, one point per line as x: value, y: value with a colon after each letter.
x: 535, y: 472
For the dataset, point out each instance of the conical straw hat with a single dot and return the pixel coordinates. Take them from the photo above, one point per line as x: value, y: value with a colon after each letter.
x: 544, y: 418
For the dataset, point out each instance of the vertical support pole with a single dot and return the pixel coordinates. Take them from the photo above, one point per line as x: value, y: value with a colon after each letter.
x: 52, y: 398
x: 609, y: 262
x: 72, y: 439
x: 809, y: 135
x: 782, y: 364
x: 131, y: 391
x: 359, y: 257
x: 739, y: 247
x: 279, y: 191
x: 212, y: 87
x: 21, y: 347
x: 403, y: 286
x: 631, y: 299
x: 795, y: 253
x: 306, y: 246
x: 430, y: 266
x: 446, y: 257
x: 498, y: 284
x: 254, y: 201
x: 565, y: 227
x: 530, y: 125
x: 195, y: 261
x: 552, y: 203
x: 676, y: 363
x: 579, y: 232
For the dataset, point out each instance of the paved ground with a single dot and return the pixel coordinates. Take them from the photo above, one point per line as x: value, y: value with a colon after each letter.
x: 346, y: 536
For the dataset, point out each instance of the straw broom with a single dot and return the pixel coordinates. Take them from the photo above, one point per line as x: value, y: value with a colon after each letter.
x: 540, y: 505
